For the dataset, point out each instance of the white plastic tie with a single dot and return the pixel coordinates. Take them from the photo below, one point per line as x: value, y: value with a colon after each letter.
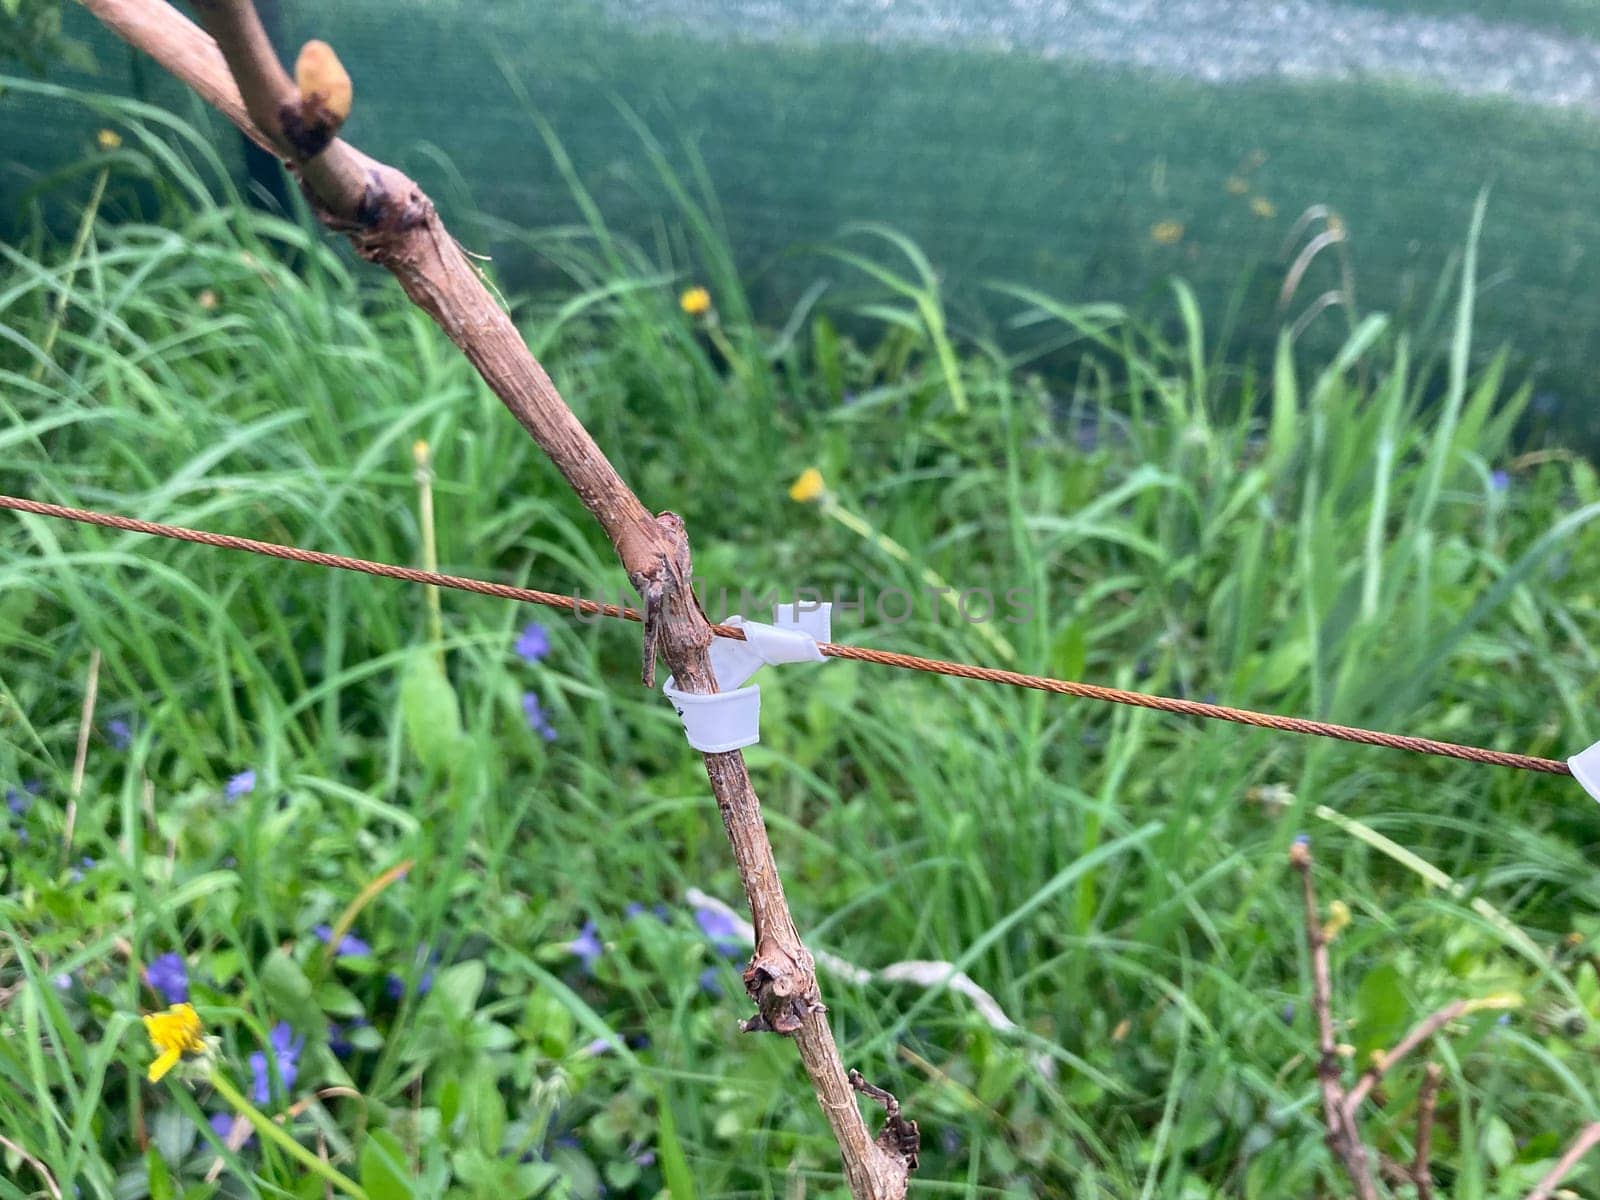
x: 731, y: 719
x: 1585, y: 766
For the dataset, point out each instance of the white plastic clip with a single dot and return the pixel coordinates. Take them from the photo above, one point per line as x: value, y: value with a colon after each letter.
x: 731, y: 719
x: 1585, y: 767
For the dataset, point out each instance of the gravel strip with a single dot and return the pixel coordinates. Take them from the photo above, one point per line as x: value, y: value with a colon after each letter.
x: 1217, y: 41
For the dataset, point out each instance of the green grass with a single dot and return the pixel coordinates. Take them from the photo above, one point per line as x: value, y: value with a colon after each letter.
x: 1326, y: 537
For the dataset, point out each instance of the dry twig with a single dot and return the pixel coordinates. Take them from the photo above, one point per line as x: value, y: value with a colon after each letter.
x: 391, y: 222
x: 1343, y: 1137
x: 1427, y: 1104
x: 1586, y: 1141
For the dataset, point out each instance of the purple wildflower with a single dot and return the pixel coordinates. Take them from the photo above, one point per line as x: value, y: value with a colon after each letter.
x: 635, y: 909
x: 533, y: 643
x: 722, y: 930
x: 587, y: 946
x: 241, y: 784
x: 350, y: 946
x: 120, y: 733
x: 84, y: 864
x: 537, y: 720
x: 285, y: 1049
x: 1499, y: 481
x: 711, y: 981
x: 18, y: 802
x: 169, y: 976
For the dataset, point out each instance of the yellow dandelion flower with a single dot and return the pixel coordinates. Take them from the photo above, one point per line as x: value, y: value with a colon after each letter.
x: 1166, y: 233
x: 108, y: 139
x: 1236, y: 186
x: 695, y: 301
x: 173, y: 1033
x: 1263, y: 208
x: 808, y: 487
x: 1338, y: 920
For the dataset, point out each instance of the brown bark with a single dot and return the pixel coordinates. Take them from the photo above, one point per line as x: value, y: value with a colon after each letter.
x: 392, y: 223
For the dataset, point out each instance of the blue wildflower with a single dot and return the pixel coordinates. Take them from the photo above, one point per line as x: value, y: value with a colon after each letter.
x: 395, y: 986
x: 120, y: 733
x: 18, y: 802
x: 711, y: 981
x: 587, y: 945
x: 339, y: 1036
x: 241, y: 784
x: 285, y: 1049
x: 1499, y: 481
x: 1286, y: 1014
x: 1302, y: 839
x: 722, y: 930
x: 168, y: 975
x: 350, y: 946
x: 84, y: 864
x: 537, y: 720
x: 659, y: 911
x: 533, y: 643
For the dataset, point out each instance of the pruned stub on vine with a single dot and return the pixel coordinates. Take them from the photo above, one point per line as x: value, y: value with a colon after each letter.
x: 784, y: 988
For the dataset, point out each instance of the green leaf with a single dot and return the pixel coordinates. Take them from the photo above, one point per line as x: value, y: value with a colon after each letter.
x: 290, y: 996
x: 458, y: 987
x: 669, y: 1152
x: 383, y: 1168
x: 430, y: 709
x: 1499, y: 1146
x: 159, y: 1179
x: 1382, y: 1005
x: 1069, y: 652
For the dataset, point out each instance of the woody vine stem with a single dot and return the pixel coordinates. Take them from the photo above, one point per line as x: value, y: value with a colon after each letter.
x: 391, y: 222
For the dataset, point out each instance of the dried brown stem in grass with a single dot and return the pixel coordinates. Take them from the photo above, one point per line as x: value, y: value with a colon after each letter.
x: 391, y: 222
x: 1586, y: 1141
x: 1387, y: 1060
x: 1427, y: 1104
x: 1343, y: 1137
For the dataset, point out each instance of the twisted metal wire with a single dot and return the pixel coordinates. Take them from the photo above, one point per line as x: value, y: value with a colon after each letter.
x: 887, y: 658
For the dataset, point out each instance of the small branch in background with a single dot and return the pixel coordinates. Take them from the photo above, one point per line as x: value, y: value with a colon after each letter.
x: 1427, y: 1103
x: 1586, y: 1141
x: 1386, y: 1060
x: 1343, y: 1138
x: 91, y: 691
x: 44, y: 1171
